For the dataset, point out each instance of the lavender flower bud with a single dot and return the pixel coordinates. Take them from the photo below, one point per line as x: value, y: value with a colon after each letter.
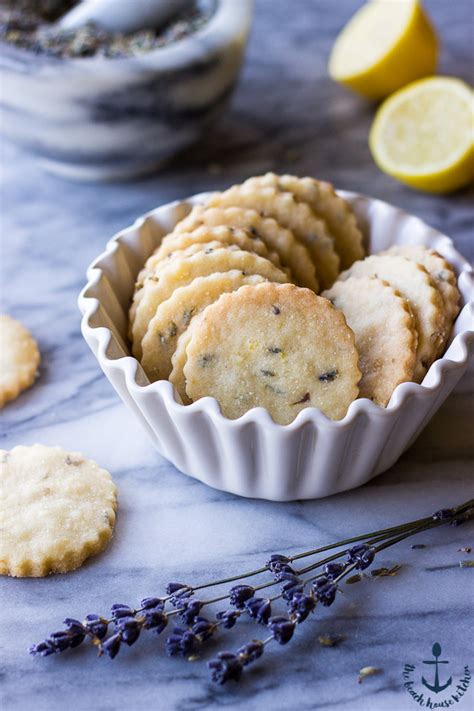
x: 277, y: 561
x: 183, y: 593
x: 283, y: 569
x: 362, y: 554
x: 129, y: 629
x: 42, y: 649
x: 61, y: 641
x: 181, y: 643
x: 111, y: 646
x: 300, y: 606
x: 229, y: 618
x: 224, y: 667
x: 74, y: 626
x: 172, y: 588
x: 239, y: 594
x: 154, y: 619
x: 157, y: 603
x: 202, y: 628
x: 325, y: 591
x: 282, y: 629
x: 332, y: 570
x: 286, y: 575
x: 118, y: 610
x: 442, y: 515
x: 96, y: 625
x: 251, y: 652
x: 76, y: 630
x: 190, y: 610
x: 292, y: 585
x: 259, y: 608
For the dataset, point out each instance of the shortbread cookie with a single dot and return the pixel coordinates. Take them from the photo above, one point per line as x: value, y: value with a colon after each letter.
x: 324, y: 201
x: 154, y: 263
x: 296, y: 216
x: 222, y: 233
x: 180, y: 272
x: 174, y: 315
x: 178, y: 360
x: 291, y: 252
x: 442, y: 274
x: 56, y: 510
x: 19, y: 359
x: 414, y: 283
x: 153, y: 266
x: 274, y: 346
x: 384, y: 330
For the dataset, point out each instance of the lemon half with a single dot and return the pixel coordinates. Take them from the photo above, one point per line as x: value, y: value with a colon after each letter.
x: 423, y: 135
x: 386, y: 44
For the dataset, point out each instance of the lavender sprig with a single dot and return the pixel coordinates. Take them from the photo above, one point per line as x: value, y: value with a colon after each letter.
x: 298, y: 593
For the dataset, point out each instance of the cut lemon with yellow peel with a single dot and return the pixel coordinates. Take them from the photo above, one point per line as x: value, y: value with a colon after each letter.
x: 386, y: 45
x: 423, y: 135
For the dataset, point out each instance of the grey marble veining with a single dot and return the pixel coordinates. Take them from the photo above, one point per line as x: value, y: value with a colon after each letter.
x: 96, y: 118
x: 286, y: 115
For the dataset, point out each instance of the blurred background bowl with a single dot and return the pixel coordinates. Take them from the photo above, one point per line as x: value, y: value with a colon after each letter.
x: 102, y: 118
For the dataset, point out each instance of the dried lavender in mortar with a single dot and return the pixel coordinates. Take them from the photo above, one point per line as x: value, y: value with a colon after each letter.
x: 29, y: 24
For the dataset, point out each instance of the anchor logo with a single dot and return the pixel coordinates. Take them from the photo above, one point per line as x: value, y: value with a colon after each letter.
x: 436, y: 687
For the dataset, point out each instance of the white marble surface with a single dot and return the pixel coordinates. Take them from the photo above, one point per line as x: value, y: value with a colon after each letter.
x: 286, y: 116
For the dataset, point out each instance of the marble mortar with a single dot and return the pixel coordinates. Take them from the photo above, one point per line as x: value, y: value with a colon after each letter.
x: 100, y: 119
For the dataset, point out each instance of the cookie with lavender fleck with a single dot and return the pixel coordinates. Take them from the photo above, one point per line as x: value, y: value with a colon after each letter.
x: 178, y: 361
x: 325, y: 202
x: 442, y: 274
x: 292, y: 253
x: 154, y: 265
x: 296, y: 216
x: 179, y: 272
x: 174, y: 315
x: 275, y: 346
x: 234, y: 235
x: 413, y: 283
x: 384, y: 330
x: 19, y: 359
x: 57, y: 509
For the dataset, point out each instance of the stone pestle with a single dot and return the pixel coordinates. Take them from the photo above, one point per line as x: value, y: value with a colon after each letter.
x: 122, y: 16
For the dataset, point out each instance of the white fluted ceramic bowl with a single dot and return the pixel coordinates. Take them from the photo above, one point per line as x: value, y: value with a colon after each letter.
x: 252, y: 456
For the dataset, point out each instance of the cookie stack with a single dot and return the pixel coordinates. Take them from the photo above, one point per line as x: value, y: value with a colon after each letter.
x: 227, y: 306
x: 279, y: 228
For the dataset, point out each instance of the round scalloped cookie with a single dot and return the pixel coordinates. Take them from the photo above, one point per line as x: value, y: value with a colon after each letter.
x: 291, y: 252
x: 296, y: 216
x: 154, y: 263
x: 384, y: 330
x: 442, y: 274
x: 174, y: 315
x: 178, y: 360
x: 180, y: 272
x: 336, y: 212
x: 177, y: 241
x: 275, y: 346
x: 153, y: 267
x: 413, y: 282
x: 57, y: 509
x: 19, y: 359
x: 227, y: 234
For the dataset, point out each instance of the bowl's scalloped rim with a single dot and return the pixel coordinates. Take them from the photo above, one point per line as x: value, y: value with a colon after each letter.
x: 101, y: 336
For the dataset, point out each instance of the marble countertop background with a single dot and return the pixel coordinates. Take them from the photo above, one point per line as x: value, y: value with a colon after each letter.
x: 286, y: 116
